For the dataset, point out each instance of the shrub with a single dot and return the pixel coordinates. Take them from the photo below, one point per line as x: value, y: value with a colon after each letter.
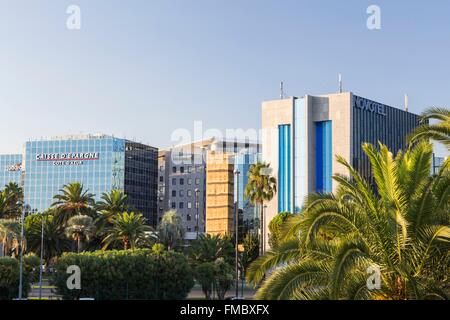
x: 9, y: 279
x: 126, y: 274
x: 32, y: 265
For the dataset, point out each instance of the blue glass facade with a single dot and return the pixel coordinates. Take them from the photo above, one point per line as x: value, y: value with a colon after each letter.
x: 323, y: 157
x: 100, y: 163
x: 10, y: 169
x: 284, y: 168
x: 249, y: 218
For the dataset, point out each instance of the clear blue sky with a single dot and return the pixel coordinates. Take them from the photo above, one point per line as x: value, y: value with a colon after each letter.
x: 141, y: 69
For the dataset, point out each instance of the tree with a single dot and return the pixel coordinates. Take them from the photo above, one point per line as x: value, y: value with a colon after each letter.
x: 275, y: 227
x: 112, y: 203
x: 208, y: 255
x: 14, y: 199
x: 10, y: 237
x: 171, y: 229
x: 401, y: 230
x: 4, y: 207
x: 251, y: 251
x: 209, y: 248
x: 71, y: 201
x: 439, y: 131
x: 260, y: 187
x: 55, y: 242
x: 80, y: 228
x: 128, y: 230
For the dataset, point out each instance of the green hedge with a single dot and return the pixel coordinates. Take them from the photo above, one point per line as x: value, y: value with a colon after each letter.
x: 9, y: 279
x: 126, y: 274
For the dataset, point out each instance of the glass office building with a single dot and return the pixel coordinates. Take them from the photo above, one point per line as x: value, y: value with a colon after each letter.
x: 101, y: 163
x: 248, y: 213
x: 10, y: 169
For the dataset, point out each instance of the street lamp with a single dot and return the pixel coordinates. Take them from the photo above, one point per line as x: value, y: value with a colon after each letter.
x: 41, y: 267
x: 21, y: 253
x: 236, y: 231
x: 197, y: 204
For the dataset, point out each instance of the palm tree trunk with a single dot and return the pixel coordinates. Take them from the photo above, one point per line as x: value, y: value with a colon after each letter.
x: 262, y: 228
x: 78, y: 243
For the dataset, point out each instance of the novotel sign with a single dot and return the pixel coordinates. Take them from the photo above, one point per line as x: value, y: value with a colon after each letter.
x: 369, y: 106
x: 70, y: 158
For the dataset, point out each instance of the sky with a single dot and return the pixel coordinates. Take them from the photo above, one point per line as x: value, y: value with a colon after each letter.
x: 141, y: 69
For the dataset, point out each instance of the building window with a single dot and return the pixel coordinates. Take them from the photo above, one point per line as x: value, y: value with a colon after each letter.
x: 189, y: 205
x: 189, y: 169
x: 284, y: 168
x: 181, y: 193
x: 174, y: 205
x: 181, y: 205
x: 181, y: 181
x: 189, y: 181
x: 161, y: 168
x: 199, y: 168
x: 174, y: 181
x: 174, y: 193
x: 181, y: 169
x: 188, y: 218
x: 189, y: 193
x: 324, y: 157
x: 197, y: 181
x: 174, y: 169
x: 161, y: 179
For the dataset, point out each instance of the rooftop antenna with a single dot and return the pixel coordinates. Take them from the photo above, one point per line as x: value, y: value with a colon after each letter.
x: 406, y: 102
x: 281, y: 90
x: 340, y: 83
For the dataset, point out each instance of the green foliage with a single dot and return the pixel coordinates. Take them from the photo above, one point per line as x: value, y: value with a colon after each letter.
x: 32, y: 266
x: 55, y: 241
x: 80, y: 228
x: 251, y: 251
x: 128, y: 231
x: 11, y: 201
x: 403, y: 228
x: 158, y: 248
x: 171, y: 229
x: 9, y: 279
x: 276, y: 227
x: 72, y: 200
x: 439, y: 131
x: 126, y: 274
x: 212, y: 257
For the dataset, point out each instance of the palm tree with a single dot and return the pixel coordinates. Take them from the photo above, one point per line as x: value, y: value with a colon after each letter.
x: 4, y: 206
x: 54, y: 242
x: 10, y: 237
x: 439, y: 131
x: 400, y: 234
x: 171, y: 229
x: 14, y: 197
x: 80, y: 228
x: 209, y: 248
x: 73, y: 200
x: 129, y: 229
x: 260, y: 187
x: 112, y: 203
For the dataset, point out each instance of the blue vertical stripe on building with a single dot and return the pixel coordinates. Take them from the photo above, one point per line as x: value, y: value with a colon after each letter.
x: 323, y: 156
x: 284, y: 168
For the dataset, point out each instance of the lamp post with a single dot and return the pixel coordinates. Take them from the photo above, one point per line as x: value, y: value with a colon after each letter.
x: 41, y: 267
x: 197, y: 204
x: 236, y: 231
x: 21, y: 255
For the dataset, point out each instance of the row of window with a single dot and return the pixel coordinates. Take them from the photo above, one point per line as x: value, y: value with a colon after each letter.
x: 181, y: 181
x: 181, y: 205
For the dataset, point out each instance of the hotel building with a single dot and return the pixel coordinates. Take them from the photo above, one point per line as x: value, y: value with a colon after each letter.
x: 302, y: 136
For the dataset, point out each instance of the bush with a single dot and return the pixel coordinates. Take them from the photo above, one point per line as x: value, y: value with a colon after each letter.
x: 32, y: 265
x: 9, y: 279
x: 126, y: 274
